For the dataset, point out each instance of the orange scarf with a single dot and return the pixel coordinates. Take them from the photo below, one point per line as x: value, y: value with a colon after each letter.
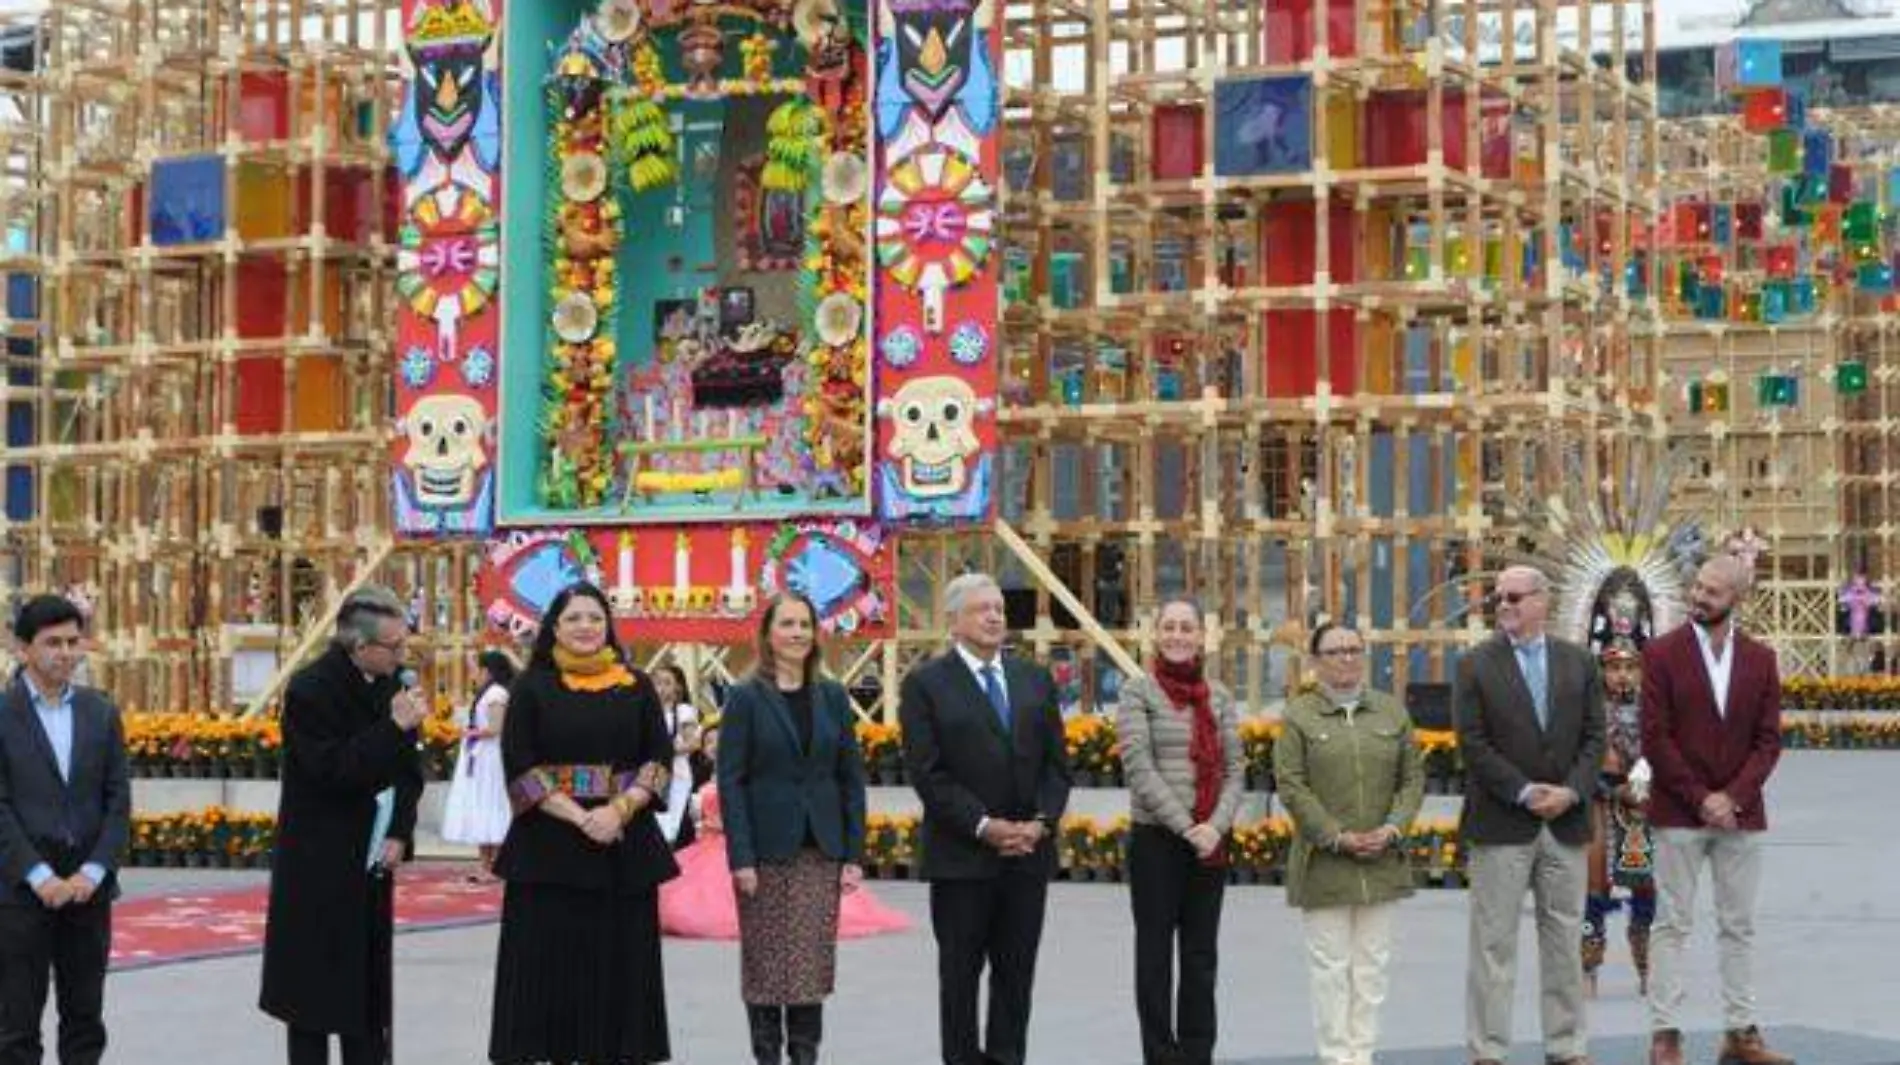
x: 598, y: 672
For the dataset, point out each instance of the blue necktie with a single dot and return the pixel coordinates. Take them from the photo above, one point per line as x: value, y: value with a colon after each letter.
x: 993, y: 687
x: 1539, y: 679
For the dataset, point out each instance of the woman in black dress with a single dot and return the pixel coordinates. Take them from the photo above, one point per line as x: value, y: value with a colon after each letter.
x: 791, y: 787
x: 577, y: 978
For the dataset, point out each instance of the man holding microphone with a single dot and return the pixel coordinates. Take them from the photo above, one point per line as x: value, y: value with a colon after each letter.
x: 351, y: 781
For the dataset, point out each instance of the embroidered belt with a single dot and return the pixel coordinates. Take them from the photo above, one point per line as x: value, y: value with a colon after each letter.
x: 582, y: 782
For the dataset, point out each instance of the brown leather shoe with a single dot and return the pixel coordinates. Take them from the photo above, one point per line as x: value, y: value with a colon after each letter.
x: 1744, y: 1046
x: 1665, y: 1047
x: 1487, y: 1061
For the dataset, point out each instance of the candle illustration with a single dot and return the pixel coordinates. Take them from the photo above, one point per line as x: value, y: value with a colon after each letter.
x: 681, y: 563
x: 652, y: 427
x: 737, y: 598
x: 623, y: 570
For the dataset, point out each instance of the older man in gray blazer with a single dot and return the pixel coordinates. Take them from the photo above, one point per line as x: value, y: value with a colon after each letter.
x: 1530, y: 725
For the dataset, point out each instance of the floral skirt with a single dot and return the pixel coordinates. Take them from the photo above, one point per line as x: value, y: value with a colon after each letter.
x: 788, y: 932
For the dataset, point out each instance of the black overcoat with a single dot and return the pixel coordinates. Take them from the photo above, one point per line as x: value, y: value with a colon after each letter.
x: 340, y: 749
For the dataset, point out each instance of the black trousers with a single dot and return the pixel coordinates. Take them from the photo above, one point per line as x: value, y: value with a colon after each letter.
x: 71, y: 945
x: 313, y: 1048
x: 1177, y: 906
x: 997, y: 922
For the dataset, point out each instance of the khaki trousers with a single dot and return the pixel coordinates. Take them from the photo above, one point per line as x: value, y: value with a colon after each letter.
x: 1347, y: 949
x: 1557, y: 877
x: 1734, y: 863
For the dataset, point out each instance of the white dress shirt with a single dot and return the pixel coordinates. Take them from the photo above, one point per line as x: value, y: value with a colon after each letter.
x: 981, y: 670
x: 1720, y: 666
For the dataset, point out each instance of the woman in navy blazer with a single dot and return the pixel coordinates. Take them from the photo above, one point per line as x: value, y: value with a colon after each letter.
x: 791, y: 783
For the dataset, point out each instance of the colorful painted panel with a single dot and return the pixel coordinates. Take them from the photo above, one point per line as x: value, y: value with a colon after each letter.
x: 694, y: 180
x: 699, y: 583
x: 447, y: 148
x: 938, y: 111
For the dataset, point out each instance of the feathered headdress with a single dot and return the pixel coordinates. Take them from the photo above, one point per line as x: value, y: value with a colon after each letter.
x: 1617, y: 563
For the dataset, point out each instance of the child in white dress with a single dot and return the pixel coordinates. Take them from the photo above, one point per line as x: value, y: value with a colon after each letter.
x: 682, y: 724
x: 477, y: 812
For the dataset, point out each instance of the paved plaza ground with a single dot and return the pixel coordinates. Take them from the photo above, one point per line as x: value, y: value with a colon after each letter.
x: 1829, y: 969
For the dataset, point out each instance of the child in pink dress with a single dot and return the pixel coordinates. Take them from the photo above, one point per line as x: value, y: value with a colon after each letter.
x: 699, y: 903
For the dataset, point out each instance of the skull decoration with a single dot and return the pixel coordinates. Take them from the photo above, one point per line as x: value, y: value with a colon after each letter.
x: 446, y: 455
x: 935, y: 434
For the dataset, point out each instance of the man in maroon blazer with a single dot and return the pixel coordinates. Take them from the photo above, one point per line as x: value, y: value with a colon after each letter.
x: 1712, y: 734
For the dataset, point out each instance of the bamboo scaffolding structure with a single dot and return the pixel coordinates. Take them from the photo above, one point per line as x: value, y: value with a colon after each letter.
x: 1153, y: 440
x: 211, y: 426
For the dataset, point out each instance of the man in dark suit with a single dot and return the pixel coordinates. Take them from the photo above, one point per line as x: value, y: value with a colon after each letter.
x: 1530, y: 726
x: 65, y: 814
x: 983, y: 745
x: 1712, y: 734
x: 352, y: 778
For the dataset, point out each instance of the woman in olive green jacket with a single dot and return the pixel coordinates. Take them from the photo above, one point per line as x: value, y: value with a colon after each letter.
x: 1348, y: 769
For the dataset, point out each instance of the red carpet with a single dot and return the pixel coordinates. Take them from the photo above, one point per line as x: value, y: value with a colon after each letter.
x: 163, y: 929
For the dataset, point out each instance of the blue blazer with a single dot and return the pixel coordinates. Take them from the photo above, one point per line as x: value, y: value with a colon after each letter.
x: 771, y: 790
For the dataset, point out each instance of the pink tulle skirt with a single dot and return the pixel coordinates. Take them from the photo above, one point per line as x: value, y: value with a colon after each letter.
x: 699, y: 904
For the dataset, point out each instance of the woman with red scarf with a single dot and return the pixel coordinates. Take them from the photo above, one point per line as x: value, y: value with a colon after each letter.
x: 1185, y: 766
x: 1348, y: 769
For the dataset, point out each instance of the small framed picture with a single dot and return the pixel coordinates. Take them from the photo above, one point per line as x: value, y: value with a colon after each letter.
x: 673, y: 319
x: 735, y: 309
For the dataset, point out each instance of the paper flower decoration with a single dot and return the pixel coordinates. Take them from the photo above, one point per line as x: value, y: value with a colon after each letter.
x: 846, y: 178
x: 969, y: 344
x: 418, y: 369
x: 901, y: 346
x: 583, y: 177
x: 617, y: 20
x: 575, y: 319
x: 934, y: 224
x: 839, y: 318
x: 478, y: 368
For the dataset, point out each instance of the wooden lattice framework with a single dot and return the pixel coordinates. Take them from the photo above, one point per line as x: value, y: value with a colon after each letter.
x: 1160, y: 457
x: 1150, y: 443
x: 210, y: 398
x: 1812, y: 478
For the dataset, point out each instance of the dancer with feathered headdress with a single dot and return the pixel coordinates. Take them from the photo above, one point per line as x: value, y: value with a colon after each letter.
x: 1619, y: 564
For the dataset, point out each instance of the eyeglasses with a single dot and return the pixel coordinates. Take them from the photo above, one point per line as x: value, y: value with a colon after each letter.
x: 1514, y: 598
x: 390, y: 645
x: 1342, y: 652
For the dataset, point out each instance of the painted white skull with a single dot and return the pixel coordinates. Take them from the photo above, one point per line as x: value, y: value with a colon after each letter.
x: 935, y: 419
x: 446, y: 454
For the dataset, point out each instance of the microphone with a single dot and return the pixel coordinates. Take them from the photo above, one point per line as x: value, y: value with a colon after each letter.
x: 411, y: 684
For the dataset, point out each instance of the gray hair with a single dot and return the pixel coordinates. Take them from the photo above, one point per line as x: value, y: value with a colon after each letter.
x: 1540, y: 581
x: 359, y: 621
x: 962, y: 587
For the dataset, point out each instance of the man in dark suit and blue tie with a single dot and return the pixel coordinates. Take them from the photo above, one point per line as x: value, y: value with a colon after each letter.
x: 1530, y: 726
x: 65, y: 814
x: 983, y: 745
